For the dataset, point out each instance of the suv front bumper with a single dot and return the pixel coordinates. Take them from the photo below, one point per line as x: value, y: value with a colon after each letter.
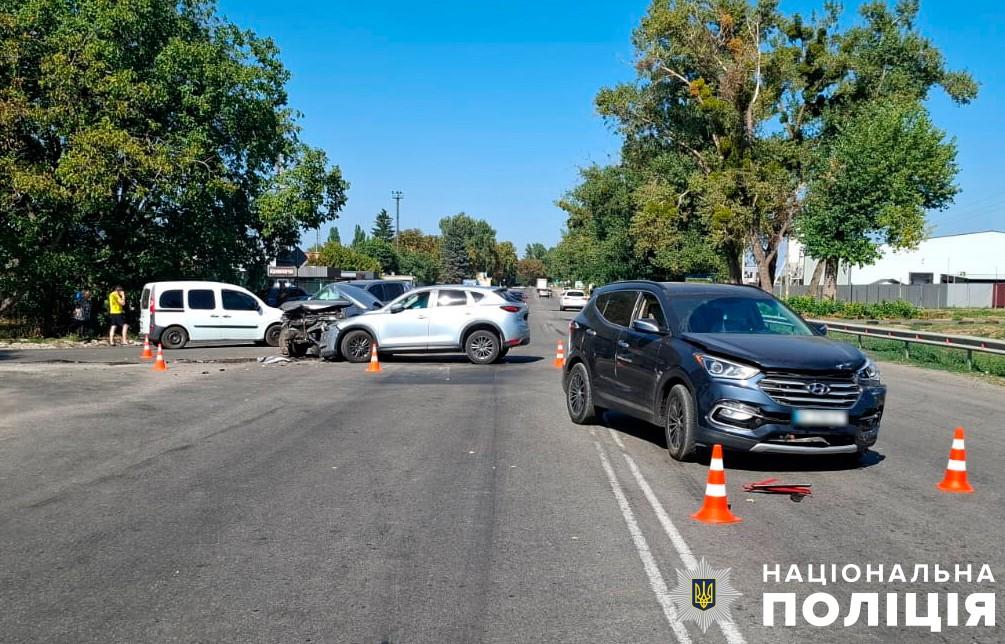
x: 772, y: 430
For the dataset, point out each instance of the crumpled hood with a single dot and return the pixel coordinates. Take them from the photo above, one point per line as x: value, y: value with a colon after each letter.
x: 781, y: 352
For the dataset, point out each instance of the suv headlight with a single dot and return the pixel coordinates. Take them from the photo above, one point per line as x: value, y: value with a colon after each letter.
x: 719, y: 368
x: 869, y: 373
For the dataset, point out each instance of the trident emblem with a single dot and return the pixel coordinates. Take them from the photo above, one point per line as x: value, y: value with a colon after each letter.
x: 703, y: 593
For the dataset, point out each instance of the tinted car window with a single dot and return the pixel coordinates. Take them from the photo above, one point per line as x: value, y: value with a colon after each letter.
x: 393, y: 290
x: 619, y: 307
x: 451, y: 298
x: 477, y: 296
x: 171, y: 300
x: 649, y: 307
x: 741, y: 315
x: 237, y: 301
x: 202, y: 299
x: 377, y: 290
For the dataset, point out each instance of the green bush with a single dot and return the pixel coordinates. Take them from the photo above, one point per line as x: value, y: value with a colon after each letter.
x: 812, y: 307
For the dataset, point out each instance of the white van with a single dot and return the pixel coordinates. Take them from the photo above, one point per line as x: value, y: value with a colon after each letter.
x: 176, y: 313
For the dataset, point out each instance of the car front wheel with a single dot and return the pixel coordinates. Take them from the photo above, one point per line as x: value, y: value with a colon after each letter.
x: 272, y: 335
x: 356, y: 345
x: 482, y: 347
x: 579, y: 396
x: 679, y: 424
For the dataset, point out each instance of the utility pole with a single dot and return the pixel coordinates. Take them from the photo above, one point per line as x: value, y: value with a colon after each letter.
x: 397, y: 195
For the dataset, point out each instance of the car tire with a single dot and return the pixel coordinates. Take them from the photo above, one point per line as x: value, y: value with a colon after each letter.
x: 356, y: 346
x: 679, y: 423
x: 272, y: 335
x: 174, y: 337
x: 482, y: 346
x: 502, y: 354
x: 297, y: 349
x: 579, y: 396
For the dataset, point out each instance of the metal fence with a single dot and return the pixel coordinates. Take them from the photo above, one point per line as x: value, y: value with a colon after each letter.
x: 925, y: 296
x: 967, y: 343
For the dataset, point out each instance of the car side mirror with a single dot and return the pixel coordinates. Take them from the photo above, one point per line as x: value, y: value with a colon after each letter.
x: 821, y: 328
x: 397, y: 308
x: 647, y: 325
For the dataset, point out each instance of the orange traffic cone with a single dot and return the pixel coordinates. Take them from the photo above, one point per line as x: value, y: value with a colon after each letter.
x: 374, y: 362
x: 716, y: 508
x: 147, y: 354
x: 956, y: 469
x: 159, y: 364
x: 559, y: 356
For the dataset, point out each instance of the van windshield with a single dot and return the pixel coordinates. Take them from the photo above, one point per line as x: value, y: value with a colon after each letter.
x: 739, y: 315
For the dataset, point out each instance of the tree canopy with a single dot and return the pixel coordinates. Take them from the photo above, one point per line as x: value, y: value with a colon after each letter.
x: 735, y: 116
x: 142, y: 141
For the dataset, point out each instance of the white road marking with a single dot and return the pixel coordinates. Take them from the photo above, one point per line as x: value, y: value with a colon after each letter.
x: 730, y: 631
x: 656, y: 580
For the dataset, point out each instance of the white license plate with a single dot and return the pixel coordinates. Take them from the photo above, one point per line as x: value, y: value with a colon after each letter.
x: 819, y: 418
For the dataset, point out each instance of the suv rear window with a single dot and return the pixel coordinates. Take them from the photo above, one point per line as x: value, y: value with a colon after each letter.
x: 617, y: 307
x: 171, y: 300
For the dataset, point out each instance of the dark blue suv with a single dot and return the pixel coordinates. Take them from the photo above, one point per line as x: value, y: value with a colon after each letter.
x: 717, y: 363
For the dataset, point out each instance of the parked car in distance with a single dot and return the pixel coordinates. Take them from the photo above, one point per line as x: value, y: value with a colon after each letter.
x: 383, y: 290
x: 277, y: 295
x: 572, y: 299
x: 176, y: 313
x: 716, y: 363
x: 479, y: 321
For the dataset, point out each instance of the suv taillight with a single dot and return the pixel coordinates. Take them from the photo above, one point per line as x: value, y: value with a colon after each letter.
x: 510, y: 308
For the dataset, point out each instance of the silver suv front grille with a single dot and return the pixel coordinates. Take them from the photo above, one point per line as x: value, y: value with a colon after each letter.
x: 799, y: 390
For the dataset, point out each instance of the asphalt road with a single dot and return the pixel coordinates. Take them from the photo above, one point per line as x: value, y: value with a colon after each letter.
x: 438, y: 501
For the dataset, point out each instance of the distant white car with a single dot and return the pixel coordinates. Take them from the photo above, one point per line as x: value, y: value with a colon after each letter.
x: 572, y: 300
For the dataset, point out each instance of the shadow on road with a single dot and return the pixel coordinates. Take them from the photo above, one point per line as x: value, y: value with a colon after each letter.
x: 745, y: 460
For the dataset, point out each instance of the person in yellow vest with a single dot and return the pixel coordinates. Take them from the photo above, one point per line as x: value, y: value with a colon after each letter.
x: 117, y: 315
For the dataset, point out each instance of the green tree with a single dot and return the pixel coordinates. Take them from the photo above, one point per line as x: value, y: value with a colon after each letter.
x: 333, y: 236
x: 423, y: 266
x: 528, y: 270
x: 744, y: 94
x: 415, y: 240
x: 478, y: 236
x: 504, y: 271
x: 882, y: 169
x: 455, y: 262
x: 143, y: 141
x: 383, y: 252
x: 358, y: 237
x: 383, y: 227
x: 346, y: 258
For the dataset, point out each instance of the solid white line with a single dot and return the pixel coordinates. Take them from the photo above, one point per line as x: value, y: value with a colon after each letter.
x: 730, y: 631
x: 617, y: 439
x: 656, y: 581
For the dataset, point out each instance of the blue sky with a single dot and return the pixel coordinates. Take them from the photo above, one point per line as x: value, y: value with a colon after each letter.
x: 487, y: 107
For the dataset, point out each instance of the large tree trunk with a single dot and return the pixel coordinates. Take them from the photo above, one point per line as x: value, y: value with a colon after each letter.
x: 818, y: 274
x: 734, y: 262
x: 830, y: 278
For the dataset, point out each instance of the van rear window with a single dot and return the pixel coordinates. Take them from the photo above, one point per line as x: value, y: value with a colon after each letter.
x: 171, y: 300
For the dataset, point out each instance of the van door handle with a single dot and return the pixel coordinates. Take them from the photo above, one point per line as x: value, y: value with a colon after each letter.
x: 214, y: 316
x: 226, y: 316
x: 623, y: 344
x: 591, y: 332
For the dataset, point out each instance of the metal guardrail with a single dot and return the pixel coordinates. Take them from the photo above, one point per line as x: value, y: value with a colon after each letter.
x: 966, y: 343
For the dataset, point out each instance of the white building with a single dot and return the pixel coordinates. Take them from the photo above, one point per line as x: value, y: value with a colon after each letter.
x: 966, y: 257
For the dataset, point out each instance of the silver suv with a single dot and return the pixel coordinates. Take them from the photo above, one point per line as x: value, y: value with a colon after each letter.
x: 484, y: 323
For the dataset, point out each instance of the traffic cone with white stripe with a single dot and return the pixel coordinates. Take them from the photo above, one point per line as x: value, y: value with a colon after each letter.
x: 559, y: 356
x: 716, y: 507
x: 146, y: 354
x: 956, y: 470
x: 159, y: 364
x: 374, y: 362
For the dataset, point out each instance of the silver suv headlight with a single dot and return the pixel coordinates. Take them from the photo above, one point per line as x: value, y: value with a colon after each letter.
x: 726, y: 369
x: 868, y: 374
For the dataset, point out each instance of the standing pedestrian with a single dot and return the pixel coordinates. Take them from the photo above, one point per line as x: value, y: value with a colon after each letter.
x: 117, y: 315
x: 82, y: 314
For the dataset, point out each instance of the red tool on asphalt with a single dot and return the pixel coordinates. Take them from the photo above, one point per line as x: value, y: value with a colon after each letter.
x: 771, y: 486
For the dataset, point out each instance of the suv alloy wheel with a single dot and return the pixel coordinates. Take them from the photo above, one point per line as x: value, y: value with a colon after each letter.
x: 679, y: 424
